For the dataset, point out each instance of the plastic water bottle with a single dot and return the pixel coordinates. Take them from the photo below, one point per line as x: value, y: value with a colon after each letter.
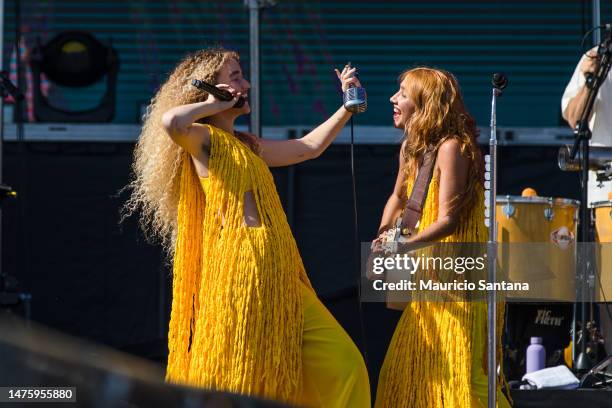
x: 536, y: 355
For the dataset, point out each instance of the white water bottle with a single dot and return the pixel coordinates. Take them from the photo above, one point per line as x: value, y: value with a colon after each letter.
x: 536, y: 355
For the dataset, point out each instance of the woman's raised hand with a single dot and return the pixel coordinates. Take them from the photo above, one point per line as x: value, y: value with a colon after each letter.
x: 224, y: 104
x: 347, y: 77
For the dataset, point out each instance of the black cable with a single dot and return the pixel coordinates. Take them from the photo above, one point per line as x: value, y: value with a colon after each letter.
x: 357, y: 251
x: 586, y: 35
x: 20, y: 112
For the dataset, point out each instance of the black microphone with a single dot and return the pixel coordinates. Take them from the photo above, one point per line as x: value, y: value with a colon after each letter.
x: 220, y: 94
x: 500, y: 81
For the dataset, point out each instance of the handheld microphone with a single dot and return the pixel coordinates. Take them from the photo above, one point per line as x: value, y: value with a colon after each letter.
x: 220, y: 94
x: 355, y: 99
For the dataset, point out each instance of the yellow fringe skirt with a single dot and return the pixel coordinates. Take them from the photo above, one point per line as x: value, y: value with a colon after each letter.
x: 437, y: 358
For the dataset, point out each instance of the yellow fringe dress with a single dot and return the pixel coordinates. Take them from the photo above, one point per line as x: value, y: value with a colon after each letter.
x: 437, y: 356
x: 245, y: 318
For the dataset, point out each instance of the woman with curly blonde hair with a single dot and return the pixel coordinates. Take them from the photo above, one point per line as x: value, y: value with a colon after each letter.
x: 245, y: 318
x: 436, y: 357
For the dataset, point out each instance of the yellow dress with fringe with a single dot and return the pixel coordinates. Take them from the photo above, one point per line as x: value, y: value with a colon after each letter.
x: 437, y: 356
x: 245, y: 318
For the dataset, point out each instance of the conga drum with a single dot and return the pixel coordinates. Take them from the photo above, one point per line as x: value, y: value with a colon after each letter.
x: 603, y: 228
x: 537, y: 237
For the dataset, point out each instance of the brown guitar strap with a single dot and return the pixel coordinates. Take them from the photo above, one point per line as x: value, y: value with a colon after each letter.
x: 414, y: 207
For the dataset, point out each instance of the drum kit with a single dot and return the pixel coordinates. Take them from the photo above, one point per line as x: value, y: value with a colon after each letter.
x: 537, y: 241
x: 536, y: 237
x: 532, y: 220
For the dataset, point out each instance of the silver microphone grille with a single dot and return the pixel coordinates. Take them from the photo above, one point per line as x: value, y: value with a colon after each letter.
x: 355, y: 100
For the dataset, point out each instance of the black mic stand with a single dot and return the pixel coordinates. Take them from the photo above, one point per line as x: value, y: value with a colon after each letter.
x: 9, y: 295
x: 583, y: 135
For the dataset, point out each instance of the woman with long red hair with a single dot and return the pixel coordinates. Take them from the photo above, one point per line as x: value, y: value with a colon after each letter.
x: 437, y: 354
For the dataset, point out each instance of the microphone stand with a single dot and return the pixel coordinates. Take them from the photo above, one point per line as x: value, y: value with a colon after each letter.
x: 9, y: 296
x: 583, y: 135
x: 499, y: 83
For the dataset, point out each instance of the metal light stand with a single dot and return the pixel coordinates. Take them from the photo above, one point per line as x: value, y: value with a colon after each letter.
x: 582, y: 137
x: 9, y: 296
x: 255, y: 7
x: 499, y: 82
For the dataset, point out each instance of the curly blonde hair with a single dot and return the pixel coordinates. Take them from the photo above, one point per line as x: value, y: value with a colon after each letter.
x: 157, y: 159
x: 440, y: 114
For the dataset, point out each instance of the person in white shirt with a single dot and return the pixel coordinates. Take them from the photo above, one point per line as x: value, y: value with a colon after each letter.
x: 572, y: 104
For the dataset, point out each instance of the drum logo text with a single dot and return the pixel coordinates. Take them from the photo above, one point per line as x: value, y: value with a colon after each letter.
x: 562, y: 237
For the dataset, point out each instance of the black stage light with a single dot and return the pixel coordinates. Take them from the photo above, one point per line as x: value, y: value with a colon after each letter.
x: 74, y: 59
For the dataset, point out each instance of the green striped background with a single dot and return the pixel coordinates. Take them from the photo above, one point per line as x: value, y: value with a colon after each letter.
x: 536, y: 43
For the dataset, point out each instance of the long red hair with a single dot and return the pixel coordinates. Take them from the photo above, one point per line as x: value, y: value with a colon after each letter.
x: 440, y: 114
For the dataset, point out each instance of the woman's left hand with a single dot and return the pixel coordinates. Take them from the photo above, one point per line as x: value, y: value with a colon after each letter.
x: 347, y: 77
